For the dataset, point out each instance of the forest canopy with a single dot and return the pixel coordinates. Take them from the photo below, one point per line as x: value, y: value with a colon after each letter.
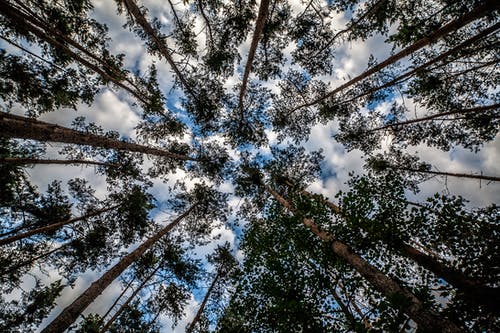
x: 249, y: 166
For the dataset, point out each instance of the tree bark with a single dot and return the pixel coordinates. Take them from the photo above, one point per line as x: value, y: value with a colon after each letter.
x: 477, y: 109
x: 64, y: 320
x: 448, y: 174
x: 473, y: 290
x: 23, y: 161
x: 136, y: 14
x: 129, y: 299
x: 54, y: 226
x: 196, y: 318
x: 118, y: 298
x: 27, y: 128
x: 259, y: 27
x: 485, y: 8
x: 427, y: 320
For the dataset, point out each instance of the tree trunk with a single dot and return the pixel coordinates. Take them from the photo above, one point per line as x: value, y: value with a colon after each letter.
x: 437, y: 59
x: 68, y: 316
x: 474, y: 290
x: 26, y: 128
x: 196, y: 318
x: 54, y: 226
x: 484, y: 9
x: 427, y: 320
x: 23, y: 161
x: 259, y: 27
x: 118, y: 298
x: 448, y: 174
x: 17, y: 16
x: 477, y: 109
x: 136, y: 14
x: 129, y: 299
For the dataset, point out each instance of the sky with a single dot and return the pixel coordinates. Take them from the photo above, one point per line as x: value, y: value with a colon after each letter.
x: 113, y: 109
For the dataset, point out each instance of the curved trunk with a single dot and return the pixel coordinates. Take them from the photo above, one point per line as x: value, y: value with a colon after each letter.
x: 54, y: 226
x: 68, y: 316
x: 27, y: 128
x: 484, y: 9
x: 427, y: 320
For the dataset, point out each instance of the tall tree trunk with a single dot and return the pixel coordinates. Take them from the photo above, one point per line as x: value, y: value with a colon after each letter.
x: 196, y: 318
x: 16, y: 16
x: 207, y: 22
x: 447, y: 174
x: 54, y: 226
x: 118, y: 298
x: 129, y: 299
x: 472, y: 289
x: 431, y: 62
x: 27, y: 128
x: 427, y: 320
x: 136, y: 14
x: 259, y: 28
x: 24, y: 161
x: 477, y: 109
x: 68, y: 316
x: 484, y: 9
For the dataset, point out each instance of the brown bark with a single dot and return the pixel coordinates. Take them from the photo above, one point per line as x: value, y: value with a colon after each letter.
x: 27, y: 128
x: 427, y: 320
x: 129, y: 299
x: 259, y: 27
x: 437, y: 59
x: 474, y: 290
x: 448, y: 174
x: 196, y: 318
x: 54, y: 226
x: 136, y: 14
x: 16, y: 16
x: 477, y: 109
x: 24, y: 161
x: 484, y: 9
x: 64, y: 320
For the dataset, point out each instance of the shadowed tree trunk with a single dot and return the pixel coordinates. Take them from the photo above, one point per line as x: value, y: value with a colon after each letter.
x: 427, y: 320
x: 118, y: 298
x: 55, y: 226
x: 27, y: 128
x: 68, y: 316
x: 447, y: 174
x: 484, y: 9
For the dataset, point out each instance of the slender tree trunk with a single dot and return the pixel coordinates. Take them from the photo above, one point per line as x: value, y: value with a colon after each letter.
x: 136, y: 14
x: 129, y: 299
x: 16, y: 16
x: 196, y: 318
x: 427, y: 320
x: 23, y: 161
x: 68, y: 316
x: 54, y: 226
x: 207, y: 22
x: 27, y: 128
x: 474, y: 290
x: 431, y: 62
x: 259, y: 28
x: 118, y: 298
x: 448, y: 174
x: 477, y: 109
x: 485, y: 8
